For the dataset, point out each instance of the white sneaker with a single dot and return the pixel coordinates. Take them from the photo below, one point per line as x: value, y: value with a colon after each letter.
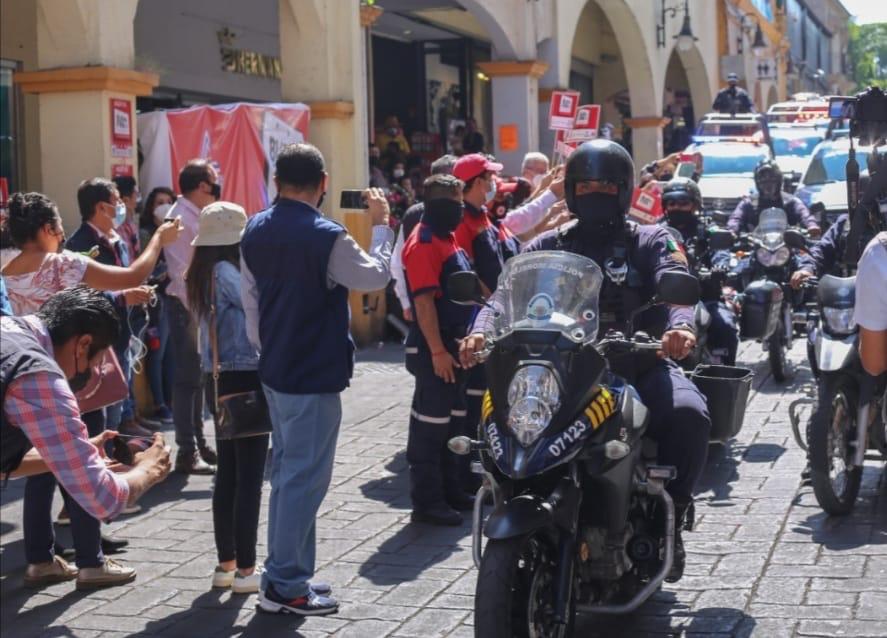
x: 247, y: 584
x: 223, y: 579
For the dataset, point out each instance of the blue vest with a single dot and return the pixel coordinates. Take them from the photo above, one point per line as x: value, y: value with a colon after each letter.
x: 303, y: 324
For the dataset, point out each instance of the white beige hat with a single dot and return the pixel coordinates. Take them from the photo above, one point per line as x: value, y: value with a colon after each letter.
x: 220, y: 224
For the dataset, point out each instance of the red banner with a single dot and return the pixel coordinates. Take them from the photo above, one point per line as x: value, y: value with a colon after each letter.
x: 240, y: 140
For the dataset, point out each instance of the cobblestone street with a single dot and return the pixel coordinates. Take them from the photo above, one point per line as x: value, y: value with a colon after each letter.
x: 763, y: 561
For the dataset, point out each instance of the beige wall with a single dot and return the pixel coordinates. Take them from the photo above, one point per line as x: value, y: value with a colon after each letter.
x: 18, y: 42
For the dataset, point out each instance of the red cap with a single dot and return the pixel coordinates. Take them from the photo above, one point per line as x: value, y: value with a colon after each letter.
x: 470, y: 166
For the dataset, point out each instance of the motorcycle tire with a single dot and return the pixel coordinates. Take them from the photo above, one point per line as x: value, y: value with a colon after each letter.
x: 508, y: 570
x: 777, y: 356
x: 835, y: 390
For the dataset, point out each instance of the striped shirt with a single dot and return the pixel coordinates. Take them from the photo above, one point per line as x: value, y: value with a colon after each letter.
x: 46, y: 410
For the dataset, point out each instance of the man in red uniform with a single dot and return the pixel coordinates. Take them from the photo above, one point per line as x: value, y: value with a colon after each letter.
x: 430, y: 256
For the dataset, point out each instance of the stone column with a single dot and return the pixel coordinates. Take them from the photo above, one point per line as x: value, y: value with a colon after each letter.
x: 85, y: 54
x: 646, y: 138
x: 515, y: 109
x: 323, y: 55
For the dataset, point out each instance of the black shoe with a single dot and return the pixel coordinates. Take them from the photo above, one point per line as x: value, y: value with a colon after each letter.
x: 310, y: 605
x: 461, y: 502
x: 111, y: 545
x: 437, y: 515
x: 681, y: 520
x: 209, y: 455
x: 191, y: 463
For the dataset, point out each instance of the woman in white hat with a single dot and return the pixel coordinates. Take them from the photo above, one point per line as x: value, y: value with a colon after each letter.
x: 235, y: 393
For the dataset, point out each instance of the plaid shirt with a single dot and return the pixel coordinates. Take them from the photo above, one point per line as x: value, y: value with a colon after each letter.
x: 46, y: 410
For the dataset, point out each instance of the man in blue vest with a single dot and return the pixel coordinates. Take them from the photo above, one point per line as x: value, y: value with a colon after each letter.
x: 297, y: 268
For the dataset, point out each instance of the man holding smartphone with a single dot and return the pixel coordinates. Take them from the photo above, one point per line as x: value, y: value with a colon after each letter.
x: 297, y: 268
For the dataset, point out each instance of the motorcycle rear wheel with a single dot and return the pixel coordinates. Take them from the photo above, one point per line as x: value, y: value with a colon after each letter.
x: 514, y: 596
x: 832, y: 426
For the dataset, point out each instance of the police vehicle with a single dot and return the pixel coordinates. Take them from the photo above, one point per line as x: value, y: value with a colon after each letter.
x: 825, y: 181
x: 728, y: 167
x: 793, y: 146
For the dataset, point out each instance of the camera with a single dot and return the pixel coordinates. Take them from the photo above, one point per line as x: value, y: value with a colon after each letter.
x: 867, y: 112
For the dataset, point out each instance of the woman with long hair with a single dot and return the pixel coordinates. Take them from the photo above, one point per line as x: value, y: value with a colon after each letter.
x: 231, y: 365
x: 159, y: 360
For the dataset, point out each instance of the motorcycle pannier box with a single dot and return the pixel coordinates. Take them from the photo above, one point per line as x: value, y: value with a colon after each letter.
x: 726, y: 391
x: 762, y: 303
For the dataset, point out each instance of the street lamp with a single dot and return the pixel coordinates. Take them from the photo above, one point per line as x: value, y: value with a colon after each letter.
x: 685, y: 37
x: 758, y: 46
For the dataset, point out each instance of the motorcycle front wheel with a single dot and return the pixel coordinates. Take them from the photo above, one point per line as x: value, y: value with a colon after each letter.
x: 515, y: 591
x: 776, y: 356
x: 832, y: 428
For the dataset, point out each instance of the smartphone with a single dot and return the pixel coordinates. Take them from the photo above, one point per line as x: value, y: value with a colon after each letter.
x: 353, y: 199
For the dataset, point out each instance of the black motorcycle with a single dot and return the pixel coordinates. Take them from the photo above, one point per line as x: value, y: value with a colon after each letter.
x: 768, y: 301
x: 846, y: 421
x: 581, y: 520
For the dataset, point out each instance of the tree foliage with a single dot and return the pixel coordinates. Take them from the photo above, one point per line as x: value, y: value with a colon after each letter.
x: 868, y: 54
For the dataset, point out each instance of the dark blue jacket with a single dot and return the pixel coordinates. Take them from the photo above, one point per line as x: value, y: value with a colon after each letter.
x: 827, y: 253
x: 745, y: 218
x: 303, y: 322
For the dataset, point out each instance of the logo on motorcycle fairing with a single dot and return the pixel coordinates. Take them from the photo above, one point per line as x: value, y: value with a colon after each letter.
x: 540, y: 308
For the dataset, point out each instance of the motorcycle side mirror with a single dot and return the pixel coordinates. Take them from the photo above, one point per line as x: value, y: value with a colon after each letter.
x: 720, y: 217
x: 678, y: 289
x: 794, y: 239
x: 720, y: 239
x: 464, y: 289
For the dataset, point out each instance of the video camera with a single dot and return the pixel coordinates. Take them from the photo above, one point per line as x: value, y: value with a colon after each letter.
x: 867, y: 113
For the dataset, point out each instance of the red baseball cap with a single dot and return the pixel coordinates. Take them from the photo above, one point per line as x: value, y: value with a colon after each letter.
x: 470, y: 166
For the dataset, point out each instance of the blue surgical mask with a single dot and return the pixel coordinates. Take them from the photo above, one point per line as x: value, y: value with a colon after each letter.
x: 119, y: 214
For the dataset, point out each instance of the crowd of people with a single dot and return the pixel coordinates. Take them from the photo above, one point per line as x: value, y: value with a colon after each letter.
x: 194, y: 290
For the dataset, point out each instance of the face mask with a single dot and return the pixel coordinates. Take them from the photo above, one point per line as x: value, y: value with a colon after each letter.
x: 681, y: 217
x: 537, y: 179
x: 442, y: 215
x: 768, y: 189
x: 392, y: 132
x: 398, y: 173
x: 80, y: 379
x: 160, y: 213
x: 491, y: 192
x: 596, y: 210
x: 119, y: 214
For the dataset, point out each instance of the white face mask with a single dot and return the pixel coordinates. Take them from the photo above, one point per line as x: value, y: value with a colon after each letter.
x: 160, y: 213
x: 491, y: 193
x: 537, y: 179
x: 398, y: 173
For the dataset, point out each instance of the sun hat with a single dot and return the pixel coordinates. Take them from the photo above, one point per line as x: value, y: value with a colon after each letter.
x: 220, y: 224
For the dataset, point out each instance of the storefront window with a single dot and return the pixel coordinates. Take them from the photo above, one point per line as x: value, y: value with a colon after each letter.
x: 8, y: 128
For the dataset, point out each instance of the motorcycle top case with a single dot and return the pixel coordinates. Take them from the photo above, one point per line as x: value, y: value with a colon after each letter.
x: 761, y: 306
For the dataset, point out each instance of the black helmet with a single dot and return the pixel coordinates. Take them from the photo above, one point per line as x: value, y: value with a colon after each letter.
x: 600, y: 160
x: 767, y: 167
x: 681, y: 188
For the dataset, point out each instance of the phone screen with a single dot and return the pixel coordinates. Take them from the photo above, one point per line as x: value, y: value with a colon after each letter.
x: 352, y: 199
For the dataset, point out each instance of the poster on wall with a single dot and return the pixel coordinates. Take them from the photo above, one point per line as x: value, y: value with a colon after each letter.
x: 240, y: 140
x: 562, y: 109
x: 121, y: 128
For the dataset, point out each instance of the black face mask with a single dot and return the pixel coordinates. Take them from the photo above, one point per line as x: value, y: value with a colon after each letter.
x: 80, y: 379
x: 681, y: 217
x: 442, y: 215
x: 598, y: 211
x: 769, y: 190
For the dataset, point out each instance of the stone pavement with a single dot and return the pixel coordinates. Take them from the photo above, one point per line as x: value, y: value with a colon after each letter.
x: 763, y: 561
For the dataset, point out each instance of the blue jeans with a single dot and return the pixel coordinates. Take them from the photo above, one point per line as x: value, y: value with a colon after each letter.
x: 159, y: 363
x: 122, y: 411
x: 303, y: 441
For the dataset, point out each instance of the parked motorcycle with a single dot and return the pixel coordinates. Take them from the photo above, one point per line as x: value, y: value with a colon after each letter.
x: 847, y: 420
x: 581, y: 520
x: 767, y: 298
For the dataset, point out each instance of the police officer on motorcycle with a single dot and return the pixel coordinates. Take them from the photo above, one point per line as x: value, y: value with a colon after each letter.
x: 599, y: 181
x: 768, y: 181
x: 682, y: 202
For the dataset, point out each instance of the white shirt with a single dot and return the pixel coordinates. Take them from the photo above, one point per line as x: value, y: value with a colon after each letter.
x: 871, y: 286
x: 178, y: 254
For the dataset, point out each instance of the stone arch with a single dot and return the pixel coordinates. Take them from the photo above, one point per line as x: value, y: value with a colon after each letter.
x: 501, y: 25
x: 697, y: 76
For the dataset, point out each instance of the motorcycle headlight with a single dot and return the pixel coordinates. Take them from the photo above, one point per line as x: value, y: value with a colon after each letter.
x: 533, y: 397
x: 840, y: 320
x: 772, y: 258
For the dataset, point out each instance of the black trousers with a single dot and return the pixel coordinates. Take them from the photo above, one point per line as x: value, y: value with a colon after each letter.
x: 679, y: 423
x: 723, y: 335
x: 438, y: 413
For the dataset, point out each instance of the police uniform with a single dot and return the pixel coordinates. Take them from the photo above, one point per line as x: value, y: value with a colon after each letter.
x: 438, y: 409
x: 732, y: 97
x: 826, y: 255
x: 745, y: 217
x: 723, y: 335
x: 632, y: 262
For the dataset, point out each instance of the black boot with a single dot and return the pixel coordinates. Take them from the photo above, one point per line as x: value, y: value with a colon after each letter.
x: 683, y: 520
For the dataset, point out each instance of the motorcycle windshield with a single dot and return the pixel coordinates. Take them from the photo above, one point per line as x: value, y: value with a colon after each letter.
x: 771, y: 225
x: 550, y: 290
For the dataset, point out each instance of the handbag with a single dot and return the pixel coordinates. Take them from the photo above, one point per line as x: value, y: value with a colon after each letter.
x: 240, y: 414
x: 106, y: 385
